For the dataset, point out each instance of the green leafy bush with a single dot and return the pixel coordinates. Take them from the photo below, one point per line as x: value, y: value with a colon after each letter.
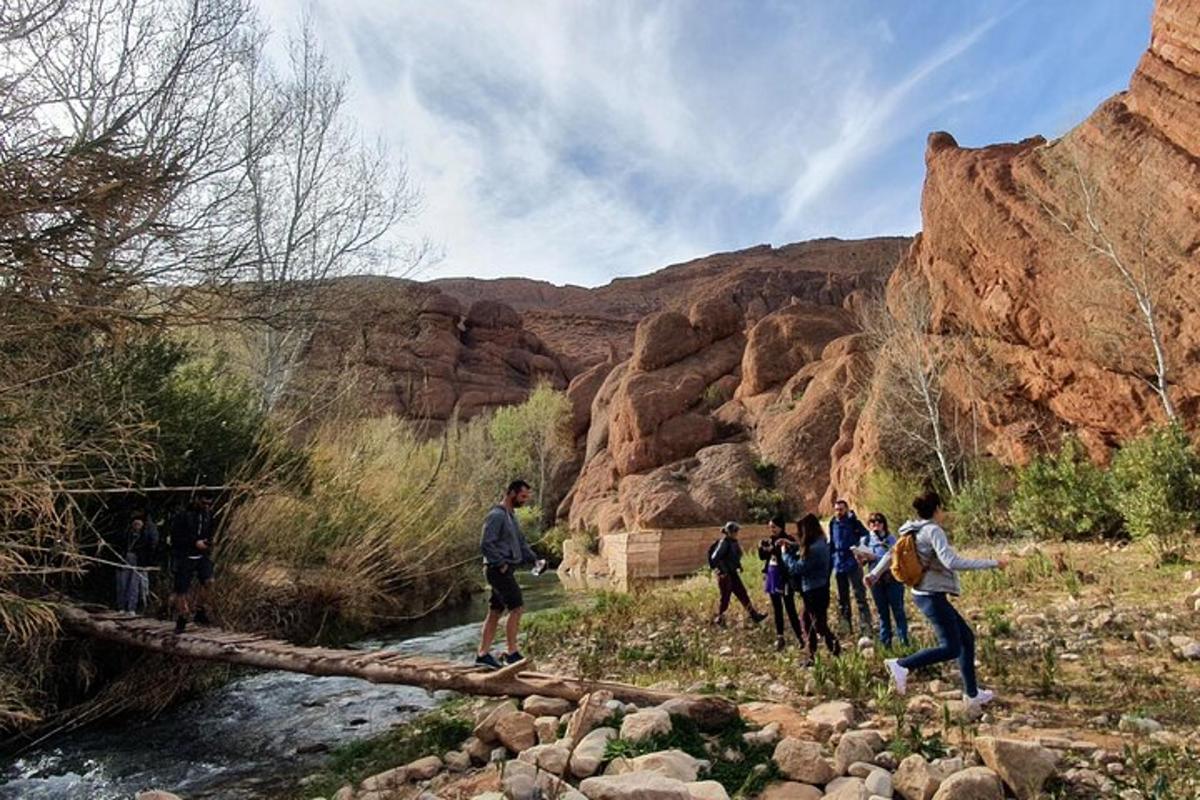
x: 891, y: 493
x: 1157, y: 481
x: 766, y: 472
x: 1064, y: 495
x: 762, y: 503
x: 980, y: 508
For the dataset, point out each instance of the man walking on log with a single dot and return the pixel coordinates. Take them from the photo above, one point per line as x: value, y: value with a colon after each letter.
x: 191, y: 554
x: 504, y: 550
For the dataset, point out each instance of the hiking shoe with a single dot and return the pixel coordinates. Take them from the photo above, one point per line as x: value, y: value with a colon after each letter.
x: 201, y: 617
x: 780, y: 644
x: 508, y: 659
x: 180, y: 624
x: 487, y: 660
x: 757, y: 617
x: 899, y: 675
x: 981, y: 698
x: 719, y: 620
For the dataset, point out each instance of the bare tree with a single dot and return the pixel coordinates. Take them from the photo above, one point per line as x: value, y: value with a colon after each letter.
x: 322, y: 203
x: 911, y: 366
x: 1141, y: 276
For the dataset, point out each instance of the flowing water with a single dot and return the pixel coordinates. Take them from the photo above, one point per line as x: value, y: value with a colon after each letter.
x: 253, y: 735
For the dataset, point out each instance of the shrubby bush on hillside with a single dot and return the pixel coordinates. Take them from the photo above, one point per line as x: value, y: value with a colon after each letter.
x: 980, y: 508
x: 890, y: 492
x: 1157, y: 482
x: 1064, y: 495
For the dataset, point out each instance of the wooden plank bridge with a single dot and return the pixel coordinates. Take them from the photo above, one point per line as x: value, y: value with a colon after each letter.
x: 377, y: 666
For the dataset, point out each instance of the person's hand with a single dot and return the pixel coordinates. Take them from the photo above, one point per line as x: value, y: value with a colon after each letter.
x: 504, y: 569
x: 870, y: 580
x: 201, y: 544
x: 1002, y: 562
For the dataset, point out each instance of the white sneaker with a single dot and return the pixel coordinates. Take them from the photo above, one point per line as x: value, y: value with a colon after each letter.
x: 899, y: 675
x: 982, y: 698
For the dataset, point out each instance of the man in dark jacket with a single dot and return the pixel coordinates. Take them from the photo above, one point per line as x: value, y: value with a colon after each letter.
x: 504, y: 550
x: 726, y: 560
x: 845, y: 533
x: 192, y: 532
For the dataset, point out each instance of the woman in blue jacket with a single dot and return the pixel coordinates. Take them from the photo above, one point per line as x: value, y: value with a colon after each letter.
x: 809, y: 564
x: 887, y: 592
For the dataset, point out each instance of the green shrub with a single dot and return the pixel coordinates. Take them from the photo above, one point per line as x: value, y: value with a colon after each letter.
x: 1157, y: 481
x: 766, y: 472
x: 891, y: 493
x: 550, y: 544
x: 980, y: 508
x: 716, y: 395
x: 762, y: 503
x: 1065, y: 496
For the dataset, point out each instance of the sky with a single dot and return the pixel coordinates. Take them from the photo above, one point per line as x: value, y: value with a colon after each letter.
x: 576, y: 141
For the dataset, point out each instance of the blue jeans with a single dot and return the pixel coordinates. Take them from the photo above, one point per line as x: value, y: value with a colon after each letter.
x: 889, y: 602
x: 957, y: 640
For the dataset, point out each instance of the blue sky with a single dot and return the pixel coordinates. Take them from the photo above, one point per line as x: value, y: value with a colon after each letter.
x: 577, y: 141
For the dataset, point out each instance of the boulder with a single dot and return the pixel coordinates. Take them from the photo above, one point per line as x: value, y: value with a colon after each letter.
x: 709, y: 713
x: 423, y: 768
x: 485, y: 729
x: 457, y: 761
x: 344, y: 793
x: 385, y: 781
x: 855, y: 746
x: 707, y: 790
x: 766, y: 736
x: 879, y: 783
x: 847, y: 789
x: 540, y: 706
x: 790, y: 790
x: 915, y: 779
x: 479, y: 750
x: 802, y: 761
x: 589, y: 753
x: 975, y: 783
x: 1023, y: 766
x: 642, y: 725
x: 552, y: 758
x: 156, y: 794
x: 593, y: 710
x: 672, y: 763
x: 516, y: 731
x: 791, y: 721
x: 635, y: 786
x: 547, y: 729
x: 836, y: 716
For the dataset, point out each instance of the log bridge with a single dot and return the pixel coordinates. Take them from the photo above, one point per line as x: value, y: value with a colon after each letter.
x: 377, y: 666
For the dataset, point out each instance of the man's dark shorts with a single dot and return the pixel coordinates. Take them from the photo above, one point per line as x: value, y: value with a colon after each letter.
x: 189, y: 569
x: 506, y: 594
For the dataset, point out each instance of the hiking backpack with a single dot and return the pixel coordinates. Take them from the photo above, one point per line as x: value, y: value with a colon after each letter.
x: 712, y: 552
x: 906, y: 564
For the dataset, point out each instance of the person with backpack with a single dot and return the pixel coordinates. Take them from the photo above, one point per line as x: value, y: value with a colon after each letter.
x: 725, y: 558
x: 924, y: 560
x: 137, y: 546
x: 887, y: 592
x: 845, y: 532
x: 192, y: 532
x: 776, y: 582
x: 808, y: 566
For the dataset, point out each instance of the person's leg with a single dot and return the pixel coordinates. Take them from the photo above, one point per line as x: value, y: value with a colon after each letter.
x: 966, y: 655
x: 789, y: 605
x: 879, y: 593
x: 843, y: 596
x: 895, y: 594
x: 512, y: 628
x: 777, y: 612
x: 943, y: 619
x: 739, y: 591
x: 808, y: 621
x: 490, y: 624
x: 122, y: 587
x: 182, y: 587
x: 860, y: 598
x: 822, y: 609
x: 204, y: 575
x: 726, y: 589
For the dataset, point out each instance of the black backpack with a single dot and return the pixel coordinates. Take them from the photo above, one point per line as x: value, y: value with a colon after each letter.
x: 712, y: 552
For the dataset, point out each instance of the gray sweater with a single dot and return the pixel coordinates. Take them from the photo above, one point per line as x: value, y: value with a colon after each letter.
x: 502, y: 541
x: 939, y: 559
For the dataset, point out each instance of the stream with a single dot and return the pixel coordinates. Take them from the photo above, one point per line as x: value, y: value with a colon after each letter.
x: 254, y: 735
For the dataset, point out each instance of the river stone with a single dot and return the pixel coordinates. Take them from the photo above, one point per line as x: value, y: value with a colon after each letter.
x: 516, y: 731
x: 635, y: 786
x: 915, y: 779
x: 457, y: 761
x: 855, y: 746
x: 790, y: 790
x: 847, y: 789
x: 642, y: 725
x: 1023, y: 766
x: 344, y: 793
x: 422, y: 769
x: 486, y: 728
x: 879, y: 783
x: 540, y: 706
x: 802, y: 761
x: 593, y: 710
x: 830, y: 718
x: 547, y: 729
x: 672, y: 763
x: 156, y: 794
x: 551, y: 757
x: 710, y: 714
x: 385, y: 781
x: 975, y: 783
x: 479, y: 750
x: 707, y: 790
x: 589, y: 753
x: 769, y: 735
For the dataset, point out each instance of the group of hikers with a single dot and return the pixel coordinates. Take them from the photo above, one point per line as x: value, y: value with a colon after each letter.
x: 138, y: 550
x: 856, y: 558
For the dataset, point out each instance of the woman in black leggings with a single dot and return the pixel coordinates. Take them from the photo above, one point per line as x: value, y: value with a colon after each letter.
x: 775, y: 580
x: 808, y: 566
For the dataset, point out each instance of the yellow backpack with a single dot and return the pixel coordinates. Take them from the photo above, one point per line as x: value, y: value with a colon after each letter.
x: 906, y: 564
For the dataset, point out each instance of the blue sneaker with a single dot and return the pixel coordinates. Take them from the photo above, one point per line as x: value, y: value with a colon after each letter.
x: 488, y: 661
x: 512, y: 658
